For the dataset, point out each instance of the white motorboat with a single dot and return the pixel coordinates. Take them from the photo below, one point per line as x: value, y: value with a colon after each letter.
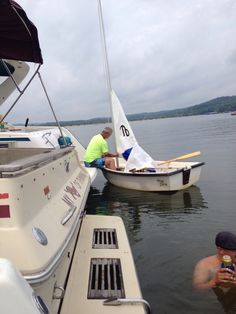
x: 44, y: 137
x: 136, y: 169
x: 54, y: 258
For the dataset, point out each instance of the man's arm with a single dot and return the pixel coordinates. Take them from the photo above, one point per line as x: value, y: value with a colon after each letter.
x: 205, y: 276
x: 108, y: 154
x: 202, y: 278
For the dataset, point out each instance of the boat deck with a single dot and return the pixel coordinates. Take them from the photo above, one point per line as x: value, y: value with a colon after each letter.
x: 102, y: 269
x: 13, y: 160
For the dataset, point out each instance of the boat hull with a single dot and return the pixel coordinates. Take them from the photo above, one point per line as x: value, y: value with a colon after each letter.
x: 164, y: 180
x: 41, y: 211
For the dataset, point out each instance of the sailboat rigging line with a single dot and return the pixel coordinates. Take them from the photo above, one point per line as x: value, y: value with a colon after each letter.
x: 107, y: 69
x: 21, y: 92
x: 50, y: 104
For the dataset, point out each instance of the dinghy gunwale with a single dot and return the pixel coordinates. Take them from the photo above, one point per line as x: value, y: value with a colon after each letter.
x: 152, y: 174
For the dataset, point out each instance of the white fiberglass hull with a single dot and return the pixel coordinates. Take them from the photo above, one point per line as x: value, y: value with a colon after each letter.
x: 177, y: 176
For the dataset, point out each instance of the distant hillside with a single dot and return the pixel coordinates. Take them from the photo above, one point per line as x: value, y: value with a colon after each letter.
x: 217, y: 105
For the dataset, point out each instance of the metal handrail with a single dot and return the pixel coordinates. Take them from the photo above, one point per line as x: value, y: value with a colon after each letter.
x: 131, y: 301
x: 68, y: 215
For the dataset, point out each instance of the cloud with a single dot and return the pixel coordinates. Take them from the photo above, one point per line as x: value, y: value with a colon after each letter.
x: 162, y: 55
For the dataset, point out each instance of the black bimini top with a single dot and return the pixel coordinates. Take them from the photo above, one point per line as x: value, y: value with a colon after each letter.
x: 18, y: 35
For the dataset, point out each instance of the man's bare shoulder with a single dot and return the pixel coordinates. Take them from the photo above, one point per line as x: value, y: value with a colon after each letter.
x: 205, y: 271
x: 208, y: 262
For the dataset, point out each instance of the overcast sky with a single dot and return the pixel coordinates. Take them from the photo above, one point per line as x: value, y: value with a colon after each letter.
x: 163, y: 54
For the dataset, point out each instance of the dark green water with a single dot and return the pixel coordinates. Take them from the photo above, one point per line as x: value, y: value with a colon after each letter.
x: 169, y: 233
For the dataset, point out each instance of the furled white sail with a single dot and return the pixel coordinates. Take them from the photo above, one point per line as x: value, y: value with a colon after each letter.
x: 126, y: 142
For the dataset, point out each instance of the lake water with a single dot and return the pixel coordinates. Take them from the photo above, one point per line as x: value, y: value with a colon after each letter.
x: 169, y: 233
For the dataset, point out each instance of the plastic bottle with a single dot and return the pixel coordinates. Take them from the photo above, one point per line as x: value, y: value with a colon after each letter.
x: 227, y: 262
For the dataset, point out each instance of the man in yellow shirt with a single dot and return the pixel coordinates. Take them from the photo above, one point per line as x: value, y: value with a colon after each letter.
x: 97, y: 154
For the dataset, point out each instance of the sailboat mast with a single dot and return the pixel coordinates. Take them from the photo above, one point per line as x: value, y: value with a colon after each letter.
x: 106, y: 63
x: 104, y: 47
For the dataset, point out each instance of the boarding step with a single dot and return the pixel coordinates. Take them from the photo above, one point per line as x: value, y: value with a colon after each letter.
x: 103, y: 274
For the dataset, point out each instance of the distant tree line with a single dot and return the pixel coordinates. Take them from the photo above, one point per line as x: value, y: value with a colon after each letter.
x: 217, y: 105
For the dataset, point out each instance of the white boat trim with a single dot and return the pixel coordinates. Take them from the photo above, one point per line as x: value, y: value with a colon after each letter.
x: 11, y: 83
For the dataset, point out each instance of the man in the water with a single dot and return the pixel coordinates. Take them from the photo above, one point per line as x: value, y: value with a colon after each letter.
x: 208, y: 272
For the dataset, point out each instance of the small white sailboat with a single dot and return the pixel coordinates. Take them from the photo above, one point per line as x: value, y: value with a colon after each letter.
x: 136, y: 169
x: 53, y: 257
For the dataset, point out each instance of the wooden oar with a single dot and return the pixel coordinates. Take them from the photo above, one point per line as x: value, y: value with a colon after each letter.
x: 194, y: 154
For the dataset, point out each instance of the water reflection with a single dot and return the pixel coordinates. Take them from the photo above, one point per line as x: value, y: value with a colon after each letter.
x: 132, y: 206
x: 113, y: 199
x: 183, y: 220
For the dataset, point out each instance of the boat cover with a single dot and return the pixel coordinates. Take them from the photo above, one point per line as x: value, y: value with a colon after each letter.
x: 18, y: 35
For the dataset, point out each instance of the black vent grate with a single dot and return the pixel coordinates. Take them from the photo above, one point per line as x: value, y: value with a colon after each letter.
x: 105, y: 280
x: 104, y: 239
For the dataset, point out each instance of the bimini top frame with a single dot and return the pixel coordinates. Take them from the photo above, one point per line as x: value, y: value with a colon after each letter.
x: 19, y: 41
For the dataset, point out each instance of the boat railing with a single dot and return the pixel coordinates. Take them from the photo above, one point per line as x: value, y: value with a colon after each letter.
x: 131, y: 301
x: 28, y: 163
